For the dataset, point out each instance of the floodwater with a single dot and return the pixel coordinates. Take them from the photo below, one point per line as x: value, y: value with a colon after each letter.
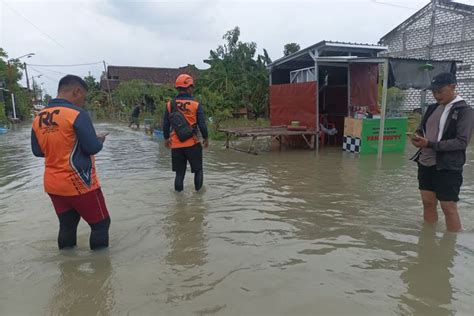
x: 291, y: 233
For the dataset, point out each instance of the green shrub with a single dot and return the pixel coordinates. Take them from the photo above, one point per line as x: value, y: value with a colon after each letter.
x: 3, y: 116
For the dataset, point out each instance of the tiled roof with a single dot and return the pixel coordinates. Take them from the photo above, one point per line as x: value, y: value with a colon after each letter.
x: 448, y: 4
x: 159, y: 76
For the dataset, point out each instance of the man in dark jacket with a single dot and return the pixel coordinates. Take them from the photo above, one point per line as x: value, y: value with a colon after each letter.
x: 442, y: 138
x: 134, y: 118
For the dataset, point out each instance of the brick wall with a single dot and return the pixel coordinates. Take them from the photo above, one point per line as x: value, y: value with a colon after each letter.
x: 453, y: 39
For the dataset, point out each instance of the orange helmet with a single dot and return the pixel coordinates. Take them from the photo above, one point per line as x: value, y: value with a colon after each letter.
x: 184, y: 81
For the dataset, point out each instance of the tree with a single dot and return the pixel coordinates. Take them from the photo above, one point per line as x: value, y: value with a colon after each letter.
x: 290, y: 48
x: 10, y: 75
x: 92, y: 84
x: 3, y: 116
x: 129, y: 93
x: 47, y: 98
x: 93, y: 90
x: 236, y: 78
x: 97, y: 100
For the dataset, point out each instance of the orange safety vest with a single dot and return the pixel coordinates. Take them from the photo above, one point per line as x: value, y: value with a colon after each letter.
x: 189, y: 109
x: 68, y: 170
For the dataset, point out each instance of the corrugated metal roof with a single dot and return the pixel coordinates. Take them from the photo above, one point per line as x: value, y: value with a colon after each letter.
x: 329, y: 44
x: 353, y: 59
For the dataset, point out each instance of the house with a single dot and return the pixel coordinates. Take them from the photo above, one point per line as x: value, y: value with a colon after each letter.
x: 312, y: 86
x: 159, y: 76
x: 441, y: 30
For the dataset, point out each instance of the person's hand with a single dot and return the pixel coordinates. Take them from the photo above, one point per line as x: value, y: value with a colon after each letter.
x: 102, y: 136
x: 419, y: 142
x: 167, y: 143
x: 206, y: 143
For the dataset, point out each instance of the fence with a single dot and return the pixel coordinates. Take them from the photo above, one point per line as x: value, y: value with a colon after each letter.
x: 120, y: 116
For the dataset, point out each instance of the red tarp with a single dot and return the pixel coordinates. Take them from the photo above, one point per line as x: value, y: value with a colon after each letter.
x: 364, y: 87
x: 293, y: 102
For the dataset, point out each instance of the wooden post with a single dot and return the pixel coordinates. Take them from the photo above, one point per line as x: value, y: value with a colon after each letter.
x: 384, y: 108
x: 227, y: 141
x: 349, y: 89
x: 109, y: 95
x: 314, y: 55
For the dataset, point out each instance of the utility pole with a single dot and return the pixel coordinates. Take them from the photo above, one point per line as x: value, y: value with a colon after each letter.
x: 108, y: 85
x: 10, y: 87
x: 34, y: 89
x: 27, y: 79
x: 41, y: 92
x: 34, y: 86
x: 10, y: 80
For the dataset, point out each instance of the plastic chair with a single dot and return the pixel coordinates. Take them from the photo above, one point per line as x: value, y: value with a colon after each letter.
x: 322, y: 135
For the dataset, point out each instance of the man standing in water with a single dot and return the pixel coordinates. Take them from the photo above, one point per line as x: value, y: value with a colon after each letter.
x: 134, y: 119
x: 64, y: 135
x: 182, y: 117
x: 442, y: 139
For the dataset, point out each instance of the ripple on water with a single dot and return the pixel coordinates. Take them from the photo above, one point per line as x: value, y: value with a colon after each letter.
x: 328, y: 232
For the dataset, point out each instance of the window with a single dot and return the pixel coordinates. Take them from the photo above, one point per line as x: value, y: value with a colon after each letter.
x: 464, y: 67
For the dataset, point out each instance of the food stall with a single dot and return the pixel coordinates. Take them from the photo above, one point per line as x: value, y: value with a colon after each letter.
x: 361, y: 135
x: 335, y: 86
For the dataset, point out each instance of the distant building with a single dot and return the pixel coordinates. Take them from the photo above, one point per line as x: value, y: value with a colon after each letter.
x: 451, y: 36
x: 159, y: 76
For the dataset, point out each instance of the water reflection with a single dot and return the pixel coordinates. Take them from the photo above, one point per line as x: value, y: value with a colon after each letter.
x: 84, y: 286
x: 428, y: 279
x: 17, y: 168
x: 184, y: 231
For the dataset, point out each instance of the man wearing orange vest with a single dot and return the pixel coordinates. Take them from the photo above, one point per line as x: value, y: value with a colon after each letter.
x: 64, y: 135
x: 183, y: 117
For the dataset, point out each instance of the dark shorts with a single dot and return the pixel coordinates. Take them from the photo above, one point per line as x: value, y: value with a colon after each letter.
x: 445, y: 183
x: 91, y: 206
x: 180, y: 157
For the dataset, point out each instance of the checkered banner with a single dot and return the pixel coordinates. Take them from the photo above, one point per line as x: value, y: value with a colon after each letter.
x: 351, y: 144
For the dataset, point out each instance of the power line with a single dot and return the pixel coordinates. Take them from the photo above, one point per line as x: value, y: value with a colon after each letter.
x: 32, y: 24
x: 392, y: 5
x: 53, y: 71
x: 43, y: 75
x: 72, y: 65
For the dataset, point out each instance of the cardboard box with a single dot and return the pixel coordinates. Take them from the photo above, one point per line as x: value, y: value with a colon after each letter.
x: 352, y: 127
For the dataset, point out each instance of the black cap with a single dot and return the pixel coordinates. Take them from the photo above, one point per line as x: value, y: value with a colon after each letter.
x: 441, y: 80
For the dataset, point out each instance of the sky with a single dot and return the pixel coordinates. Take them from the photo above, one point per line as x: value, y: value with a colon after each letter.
x: 159, y: 33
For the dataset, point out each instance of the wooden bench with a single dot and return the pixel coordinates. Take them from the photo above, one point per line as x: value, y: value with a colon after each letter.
x: 241, y: 113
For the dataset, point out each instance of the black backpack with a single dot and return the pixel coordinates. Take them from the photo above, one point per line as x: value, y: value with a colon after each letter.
x: 179, y: 123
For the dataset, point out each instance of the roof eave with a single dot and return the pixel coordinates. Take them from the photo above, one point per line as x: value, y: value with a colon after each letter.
x: 295, y: 55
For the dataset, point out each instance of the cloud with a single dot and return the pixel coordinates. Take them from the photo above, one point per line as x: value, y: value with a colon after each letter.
x: 182, y: 20
x: 177, y: 33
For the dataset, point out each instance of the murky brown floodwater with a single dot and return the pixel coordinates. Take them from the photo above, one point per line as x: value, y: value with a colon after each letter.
x: 276, y: 234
